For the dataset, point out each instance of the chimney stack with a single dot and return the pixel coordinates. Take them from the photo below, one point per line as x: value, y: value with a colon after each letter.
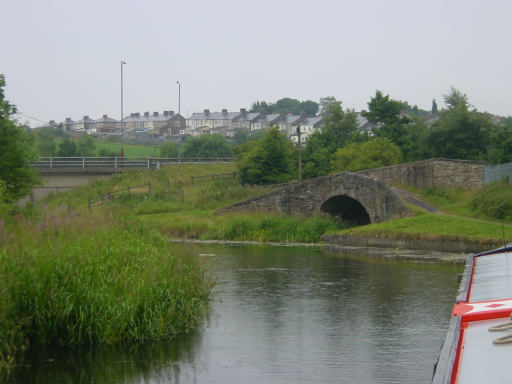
x: 155, y: 114
x: 171, y: 113
x: 146, y: 114
x: 243, y: 111
x: 207, y: 112
x: 52, y: 122
x: 224, y: 111
x: 86, y: 118
x: 105, y: 116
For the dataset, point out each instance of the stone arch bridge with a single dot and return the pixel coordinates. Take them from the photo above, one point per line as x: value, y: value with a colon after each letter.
x: 352, y: 197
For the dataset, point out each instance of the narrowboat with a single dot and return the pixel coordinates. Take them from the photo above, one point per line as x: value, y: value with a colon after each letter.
x: 478, y: 343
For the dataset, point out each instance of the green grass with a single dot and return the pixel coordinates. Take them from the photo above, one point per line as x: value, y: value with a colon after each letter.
x: 130, y: 150
x: 429, y: 225
x: 73, y: 279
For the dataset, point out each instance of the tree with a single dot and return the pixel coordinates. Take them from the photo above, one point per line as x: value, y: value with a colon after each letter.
x: 500, y: 148
x: 169, y: 150
x: 384, y: 112
x: 307, y: 108
x: 325, y: 102
x: 459, y: 133
x: 240, y: 137
x: 268, y: 160
x: 434, y: 107
x: 45, y: 142
x: 262, y: 107
x: 17, y: 153
x: 206, y: 146
x: 455, y: 99
x: 85, y: 146
x: 339, y: 129
x: 67, y: 148
x: 370, y: 154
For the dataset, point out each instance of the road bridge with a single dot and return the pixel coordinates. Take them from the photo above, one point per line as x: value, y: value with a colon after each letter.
x: 60, y: 174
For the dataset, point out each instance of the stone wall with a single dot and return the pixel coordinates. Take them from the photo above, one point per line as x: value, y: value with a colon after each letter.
x: 432, y: 173
x: 307, y: 197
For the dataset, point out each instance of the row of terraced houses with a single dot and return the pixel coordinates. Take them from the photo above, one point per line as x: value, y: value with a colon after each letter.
x: 169, y: 125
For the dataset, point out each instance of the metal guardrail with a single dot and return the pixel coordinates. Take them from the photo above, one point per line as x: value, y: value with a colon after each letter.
x: 118, y: 162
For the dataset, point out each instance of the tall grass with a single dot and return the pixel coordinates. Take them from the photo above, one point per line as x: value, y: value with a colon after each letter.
x: 273, y: 228
x: 72, y: 279
x: 495, y: 200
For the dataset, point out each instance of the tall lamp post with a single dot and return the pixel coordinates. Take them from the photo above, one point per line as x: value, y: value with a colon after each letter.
x: 122, y: 112
x: 179, y: 97
x: 300, y: 153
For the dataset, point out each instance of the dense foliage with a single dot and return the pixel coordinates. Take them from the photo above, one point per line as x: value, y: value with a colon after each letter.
x: 17, y: 152
x: 206, y: 146
x: 267, y: 160
x: 306, y: 108
x: 340, y: 129
x: 373, y: 153
x: 169, y: 150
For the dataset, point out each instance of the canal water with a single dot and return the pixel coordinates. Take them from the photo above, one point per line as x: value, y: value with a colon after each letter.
x: 285, y: 315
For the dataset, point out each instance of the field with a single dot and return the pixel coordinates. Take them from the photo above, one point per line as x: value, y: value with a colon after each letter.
x: 130, y: 150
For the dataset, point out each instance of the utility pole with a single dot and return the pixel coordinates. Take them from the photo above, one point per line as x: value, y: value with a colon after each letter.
x: 300, y: 153
x: 122, y: 112
x: 179, y: 97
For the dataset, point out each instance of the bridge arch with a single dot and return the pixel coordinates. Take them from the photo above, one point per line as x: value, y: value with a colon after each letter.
x: 346, y: 209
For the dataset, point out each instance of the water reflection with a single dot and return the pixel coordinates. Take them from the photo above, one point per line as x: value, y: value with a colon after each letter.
x: 285, y: 315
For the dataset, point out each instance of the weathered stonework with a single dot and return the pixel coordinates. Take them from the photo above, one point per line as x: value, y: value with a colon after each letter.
x: 306, y: 198
x: 432, y: 173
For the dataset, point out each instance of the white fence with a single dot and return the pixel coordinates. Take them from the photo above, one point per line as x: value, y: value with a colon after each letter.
x: 117, y: 162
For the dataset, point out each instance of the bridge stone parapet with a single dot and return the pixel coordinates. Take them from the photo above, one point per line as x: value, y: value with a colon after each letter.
x: 432, y: 173
x: 350, y: 196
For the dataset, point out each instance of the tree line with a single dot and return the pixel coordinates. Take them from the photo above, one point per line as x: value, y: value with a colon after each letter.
x: 400, y: 133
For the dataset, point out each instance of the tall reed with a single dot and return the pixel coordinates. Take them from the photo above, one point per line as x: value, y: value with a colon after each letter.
x: 71, y: 280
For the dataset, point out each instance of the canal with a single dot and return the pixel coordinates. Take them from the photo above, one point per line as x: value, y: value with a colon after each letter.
x: 285, y: 315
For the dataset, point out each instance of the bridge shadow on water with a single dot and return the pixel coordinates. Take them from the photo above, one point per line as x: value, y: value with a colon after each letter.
x: 346, y: 209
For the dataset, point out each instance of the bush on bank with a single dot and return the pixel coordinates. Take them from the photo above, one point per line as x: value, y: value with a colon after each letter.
x: 70, y: 280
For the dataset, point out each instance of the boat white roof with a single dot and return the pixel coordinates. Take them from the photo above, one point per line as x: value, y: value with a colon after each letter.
x: 492, y: 277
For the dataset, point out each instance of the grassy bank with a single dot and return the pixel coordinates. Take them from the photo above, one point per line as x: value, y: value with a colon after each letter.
x: 484, y: 215
x: 179, y: 207
x: 72, y: 279
x: 428, y: 226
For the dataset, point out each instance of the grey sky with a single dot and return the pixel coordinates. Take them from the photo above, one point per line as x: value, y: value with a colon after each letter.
x: 62, y: 58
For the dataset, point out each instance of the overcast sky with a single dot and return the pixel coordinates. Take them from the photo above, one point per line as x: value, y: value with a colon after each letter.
x: 61, y: 58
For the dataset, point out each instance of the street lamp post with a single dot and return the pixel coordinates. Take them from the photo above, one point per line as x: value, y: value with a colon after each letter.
x: 300, y: 153
x: 179, y: 97
x: 122, y: 112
